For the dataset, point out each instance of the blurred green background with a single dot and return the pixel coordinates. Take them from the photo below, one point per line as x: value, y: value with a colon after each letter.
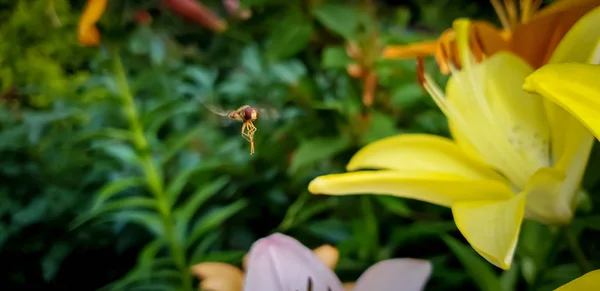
x: 83, y: 168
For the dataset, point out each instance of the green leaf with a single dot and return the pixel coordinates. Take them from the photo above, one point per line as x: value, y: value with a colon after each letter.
x: 176, y: 186
x: 146, y: 257
x: 402, y: 16
x: 149, y: 220
x: 120, y: 204
x: 195, y: 201
x: 510, y: 278
x: 251, y: 59
x: 214, y: 219
x: 339, y: 18
x: 478, y: 268
x: 290, y: 36
x: 157, y: 50
x: 559, y: 275
x: 202, y: 77
x: 156, y: 118
x: 143, y: 269
x: 433, y: 121
x: 288, y: 72
x: 123, y: 152
x: 395, y: 205
x: 53, y: 259
x: 370, y: 238
x: 299, y: 212
x: 174, y: 145
x: 407, y: 95
x: 225, y: 256
x: 203, y: 246
x: 292, y: 211
x: 335, y: 57
x: 330, y: 229
x: 312, y: 151
x: 112, y: 133
x: 110, y: 190
x: 381, y: 126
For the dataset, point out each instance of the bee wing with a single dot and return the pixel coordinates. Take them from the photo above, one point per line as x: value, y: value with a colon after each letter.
x: 268, y: 113
x: 216, y: 110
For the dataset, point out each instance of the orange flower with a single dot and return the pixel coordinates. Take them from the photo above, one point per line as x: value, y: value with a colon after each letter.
x: 88, y: 33
x: 531, y: 34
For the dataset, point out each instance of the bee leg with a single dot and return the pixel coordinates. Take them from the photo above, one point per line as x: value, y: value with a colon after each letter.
x: 251, y: 128
x: 251, y: 131
x: 245, y: 130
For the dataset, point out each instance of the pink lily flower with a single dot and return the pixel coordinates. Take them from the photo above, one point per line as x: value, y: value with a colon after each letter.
x: 281, y: 263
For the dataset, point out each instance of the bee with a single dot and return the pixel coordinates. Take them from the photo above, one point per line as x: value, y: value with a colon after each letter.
x: 247, y: 115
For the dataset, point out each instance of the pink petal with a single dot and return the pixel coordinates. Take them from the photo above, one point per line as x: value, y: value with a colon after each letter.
x: 281, y: 263
x: 395, y: 275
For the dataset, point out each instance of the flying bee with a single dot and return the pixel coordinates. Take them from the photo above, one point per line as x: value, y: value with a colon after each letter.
x: 247, y: 115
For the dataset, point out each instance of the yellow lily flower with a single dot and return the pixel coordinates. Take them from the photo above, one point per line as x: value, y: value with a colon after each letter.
x: 574, y: 85
x: 88, y: 32
x: 533, y: 35
x: 589, y: 281
x: 514, y: 154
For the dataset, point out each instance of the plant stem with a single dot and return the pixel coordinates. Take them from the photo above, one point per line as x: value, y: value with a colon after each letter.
x: 153, y: 177
x: 578, y: 254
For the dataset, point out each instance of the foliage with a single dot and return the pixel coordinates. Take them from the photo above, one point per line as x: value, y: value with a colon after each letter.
x: 111, y: 161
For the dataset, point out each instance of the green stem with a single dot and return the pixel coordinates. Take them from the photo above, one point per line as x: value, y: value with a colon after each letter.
x: 153, y: 177
x: 580, y: 258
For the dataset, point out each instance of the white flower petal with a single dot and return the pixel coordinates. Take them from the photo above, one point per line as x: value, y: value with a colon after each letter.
x: 281, y: 263
x: 395, y: 275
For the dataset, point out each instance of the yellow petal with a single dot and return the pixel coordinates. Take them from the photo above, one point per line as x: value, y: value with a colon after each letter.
x: 535, y: 40
x: 328, y: 255
x: 88, y: 33
x: 578, y: 45
x: 544, y: 200
x: 218, y: 276
x: 581, y: 40
x: 349, y: 286
x: 572, y: 86
x: 409, y: 152
x: 505, y: 125
x: 491, y: 227
x: 434, y: 187
x: 589, y: 281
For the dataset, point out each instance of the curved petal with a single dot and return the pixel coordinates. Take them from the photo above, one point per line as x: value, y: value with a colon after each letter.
x: 491, y: 227
x: 88, y: 33
x: 536, y: 40
x: 409, y: 152
x: 433, y: 187
x: 552, y: 191
x: 218, y: 276
x: 589, y: 281
x: 572, y: 86
x: 279, y: 262
x: 349, y: 286
x: 487, y: 106
x: 579, y: 43
x: 544, y: 200
x: 328, y: 255
x: 395, y: 275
